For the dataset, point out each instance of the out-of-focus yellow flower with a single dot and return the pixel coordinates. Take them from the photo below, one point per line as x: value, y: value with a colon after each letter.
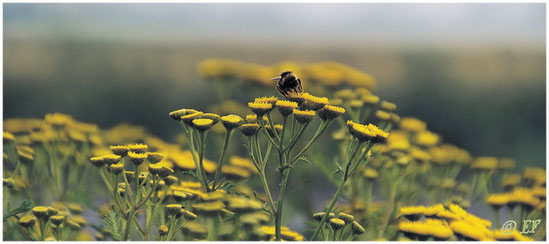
x: 511, y: 180
x: 235, y: 173
x: 485, y: 163
x: 387, y: 106
x: 497, y: 200
x: 398, y: 140
x: 243, y: 163
x: 412, y: 124
x: 426, y: 138
x: 370, y: 99
x: 346, y: 94
x: 219, y: 68
x: 506, y: 164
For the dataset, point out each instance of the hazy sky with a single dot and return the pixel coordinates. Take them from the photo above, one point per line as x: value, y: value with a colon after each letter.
x: 399, y: 24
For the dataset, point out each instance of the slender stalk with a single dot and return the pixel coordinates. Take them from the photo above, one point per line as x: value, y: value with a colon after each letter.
x: 278, y: 217
x: 228, y: 135
x: 201, y: 158
x: 319, y: 132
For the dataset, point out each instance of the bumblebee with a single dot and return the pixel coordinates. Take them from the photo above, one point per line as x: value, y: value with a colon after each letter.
x: 288, y: 83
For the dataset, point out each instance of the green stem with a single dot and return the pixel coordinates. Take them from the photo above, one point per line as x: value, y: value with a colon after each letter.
x: 278, y: 217
x: 319, y: 132
x: 201, y: 158
x: 228, y: 135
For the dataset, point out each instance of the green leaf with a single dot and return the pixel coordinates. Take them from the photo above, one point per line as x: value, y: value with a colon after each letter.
x: 24, y: 207
x: 113, y: 223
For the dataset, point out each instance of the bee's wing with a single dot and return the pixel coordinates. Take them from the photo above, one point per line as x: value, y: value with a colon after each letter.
x: 299, y: 86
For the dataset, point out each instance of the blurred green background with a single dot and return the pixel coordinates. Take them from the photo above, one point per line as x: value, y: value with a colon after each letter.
x: 474, y: 72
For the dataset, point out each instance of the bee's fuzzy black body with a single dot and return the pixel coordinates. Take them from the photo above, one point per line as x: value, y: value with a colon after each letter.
x: 288, y: 83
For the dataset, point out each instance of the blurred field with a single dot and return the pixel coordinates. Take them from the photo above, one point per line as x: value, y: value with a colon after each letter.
x: 491, y: 100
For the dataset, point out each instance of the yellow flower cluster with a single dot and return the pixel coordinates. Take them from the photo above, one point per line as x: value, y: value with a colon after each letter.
x: 329, y: 74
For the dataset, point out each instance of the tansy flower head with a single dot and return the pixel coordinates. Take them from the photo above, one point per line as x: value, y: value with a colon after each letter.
x: 177, y: 114
x: 387, y: 106
x: 179, y: 196
x: 412, y: 124
x: 130, y: 175
x: 260, y: 108
x: 497, y: 200
x: 252, y: 118
x: 359, y: 131
x: 357, y: 228
x: 138, y: 148
x: 485, y: 163
x: 337, y: 223
x: 163, y: 230
x: 277, y: 129
x: 188, y: 119
x: 170, y: 180
x: 395, y: 118
x: 426, y: 138
x: 272, y: 100
x: 165, y: 171
x: 117, y: 168
x: 314, y: 103
x: 286, y: 107
x: 346, y: 217
x: 304, y: 116
x: 40, y: 211
x: 173, y: 209
x: 249, y: 129
x: 506, y: 164
x: 8, y: 183
x: 370, y: 174
x: 137, y: 158
x: 330, y: 112
x: 347, y: 94
x: 188, y: 215
x: 208, y: 208
x: 356, y: 103
x: 214, y: 117
x: 27, y: 221
x: 203, y: 124
x: 155, y: 157
x: 370, y: 99
x: 120, y: 150
x: 412, y: 212
x: 25, y: 158
x: 382, y: 115
x: 319, y: 216
x: 97, y: 161
x: 57, y: 219
x: 299, y: 98
x: 231, y: 121
x: 336, y: 101
x: 511, y: 180
x: 8, y: 137
x: 155, y: 168
x: 235, y: 173
x: 75, y: 208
